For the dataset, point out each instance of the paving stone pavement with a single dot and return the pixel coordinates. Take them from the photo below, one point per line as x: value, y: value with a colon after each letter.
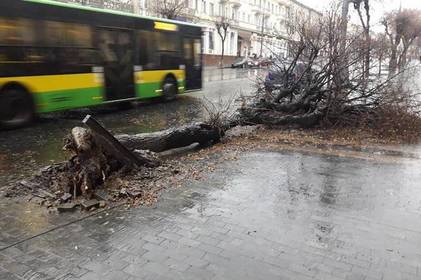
x: 268, y: 215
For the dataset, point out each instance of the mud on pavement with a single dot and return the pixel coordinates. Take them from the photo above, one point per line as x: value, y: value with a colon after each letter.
x: 142, y: 187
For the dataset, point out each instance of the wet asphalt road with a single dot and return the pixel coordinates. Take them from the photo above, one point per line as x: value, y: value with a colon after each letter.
x: 25, y: 150
x: 268, y: 215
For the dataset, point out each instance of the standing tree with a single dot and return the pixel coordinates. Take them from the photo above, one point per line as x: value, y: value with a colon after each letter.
x: 222, y: 25
x: 170, y: 9
x: 365, y: 23
x: 412, y: 32
x: 380, y: 49
x: 402, y: 28
x: 416, y: 53
x: 343, y: 27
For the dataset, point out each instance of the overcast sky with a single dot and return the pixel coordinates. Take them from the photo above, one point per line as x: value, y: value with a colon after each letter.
x: 379, y: 7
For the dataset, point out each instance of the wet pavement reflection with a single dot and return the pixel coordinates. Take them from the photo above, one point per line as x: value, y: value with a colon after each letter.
x: 25, y: 150
x: 267, y: 215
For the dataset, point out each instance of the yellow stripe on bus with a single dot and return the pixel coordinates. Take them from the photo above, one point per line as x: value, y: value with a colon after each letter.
x: 158, y: 76
x: 49, y: 83
x: 46, y: 83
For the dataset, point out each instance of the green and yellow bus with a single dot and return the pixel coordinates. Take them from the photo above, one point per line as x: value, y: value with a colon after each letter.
x: 56, y: 56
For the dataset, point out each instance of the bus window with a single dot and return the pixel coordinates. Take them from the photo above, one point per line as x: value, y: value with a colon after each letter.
x: 168, y: 42
x: 169, y: 49
x: 54, y: 33
x: 147, y: 50
x: 159, y: 49
x: 17, y: 41
x: 69, y: 44
x: 68, y: 34
x: 106, y: 45
x: 79, y: 35
x: 16, y: 31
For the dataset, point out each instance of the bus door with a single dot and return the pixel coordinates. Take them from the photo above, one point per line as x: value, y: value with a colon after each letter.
x: 116, y: 49
x: 193, y: 61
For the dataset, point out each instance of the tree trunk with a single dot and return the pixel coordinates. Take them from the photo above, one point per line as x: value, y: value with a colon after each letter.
x: 367, y: 40
x: 343, y: 41
x: 393, y: 63
x: 367, y: 55
x: 222, y: 54
x: 89, y: 164
x: 403, y: 57
x: 344, y: 16
x: 172, y: 138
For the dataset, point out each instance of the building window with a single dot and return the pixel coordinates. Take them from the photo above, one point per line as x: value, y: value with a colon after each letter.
x: 232, y: 42
x: 211, y: 41
x: 212, y: 9
x: 204, y: 7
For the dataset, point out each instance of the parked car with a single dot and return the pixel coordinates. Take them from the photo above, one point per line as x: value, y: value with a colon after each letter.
x: 253, y: 63
x: 276, y: 73
x: 265, y: 62
x: 240, y: 62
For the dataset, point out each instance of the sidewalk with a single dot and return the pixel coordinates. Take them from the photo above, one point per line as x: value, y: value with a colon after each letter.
x: 267, y: 215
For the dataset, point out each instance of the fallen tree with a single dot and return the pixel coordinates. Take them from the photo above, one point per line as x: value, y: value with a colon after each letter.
x: 182, y: 136
x: 311, y: 89
x: 96, y: 155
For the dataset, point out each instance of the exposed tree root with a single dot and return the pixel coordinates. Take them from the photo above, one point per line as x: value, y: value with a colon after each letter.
x: 93, y: 160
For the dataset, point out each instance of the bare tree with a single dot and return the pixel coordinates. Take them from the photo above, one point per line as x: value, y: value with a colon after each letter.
x: 344, y: 17
x: 343, y: 27
x: 402, y: 27
x: 222, y: 25
x: 365, y: 23
x: 380, y: 49
x: 310, y: 90
x: 416, y: 52
x: 170, y: 9
x: 412, y: 31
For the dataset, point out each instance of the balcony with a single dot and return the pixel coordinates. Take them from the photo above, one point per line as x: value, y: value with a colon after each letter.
x: 235, y: 3
x: 235, y: 22
x: 256, y: 9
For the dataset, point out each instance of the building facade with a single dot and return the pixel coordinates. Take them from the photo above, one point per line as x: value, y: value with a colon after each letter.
x: 257, y: 28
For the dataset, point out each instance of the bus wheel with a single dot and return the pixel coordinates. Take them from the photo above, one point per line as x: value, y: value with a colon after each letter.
x: 16, y: 108
x: 169, y: 89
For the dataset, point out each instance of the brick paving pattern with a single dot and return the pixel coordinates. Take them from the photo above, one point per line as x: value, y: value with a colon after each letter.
x: 266, y: 216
